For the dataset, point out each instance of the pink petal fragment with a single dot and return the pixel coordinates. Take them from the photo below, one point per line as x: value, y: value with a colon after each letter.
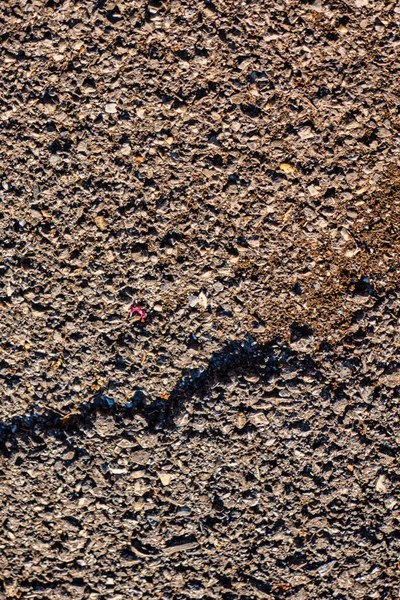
x: 140, y: 311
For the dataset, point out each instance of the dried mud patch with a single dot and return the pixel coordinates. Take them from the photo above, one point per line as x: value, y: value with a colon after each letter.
x: 378, y: 229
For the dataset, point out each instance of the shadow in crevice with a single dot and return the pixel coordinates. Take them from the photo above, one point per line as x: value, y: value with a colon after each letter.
x: 234, y: 358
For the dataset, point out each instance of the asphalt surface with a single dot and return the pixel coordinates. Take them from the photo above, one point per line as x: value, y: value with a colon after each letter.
x: 229, y: 171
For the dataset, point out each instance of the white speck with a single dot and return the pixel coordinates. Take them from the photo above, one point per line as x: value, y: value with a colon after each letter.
x: 203, y: 300
x: 193, y: 301
x: 111, y: 108
x: 381, y: 484
x: 326, y: 569
x: 125, y: 149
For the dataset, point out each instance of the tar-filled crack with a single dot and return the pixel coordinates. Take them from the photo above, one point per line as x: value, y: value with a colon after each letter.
x: 235, y: 357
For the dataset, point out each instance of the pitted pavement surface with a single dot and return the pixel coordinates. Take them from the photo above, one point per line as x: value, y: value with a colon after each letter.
x: 232, y: 169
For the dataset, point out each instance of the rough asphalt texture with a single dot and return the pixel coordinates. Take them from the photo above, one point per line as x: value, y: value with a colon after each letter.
x: 233, y: 169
